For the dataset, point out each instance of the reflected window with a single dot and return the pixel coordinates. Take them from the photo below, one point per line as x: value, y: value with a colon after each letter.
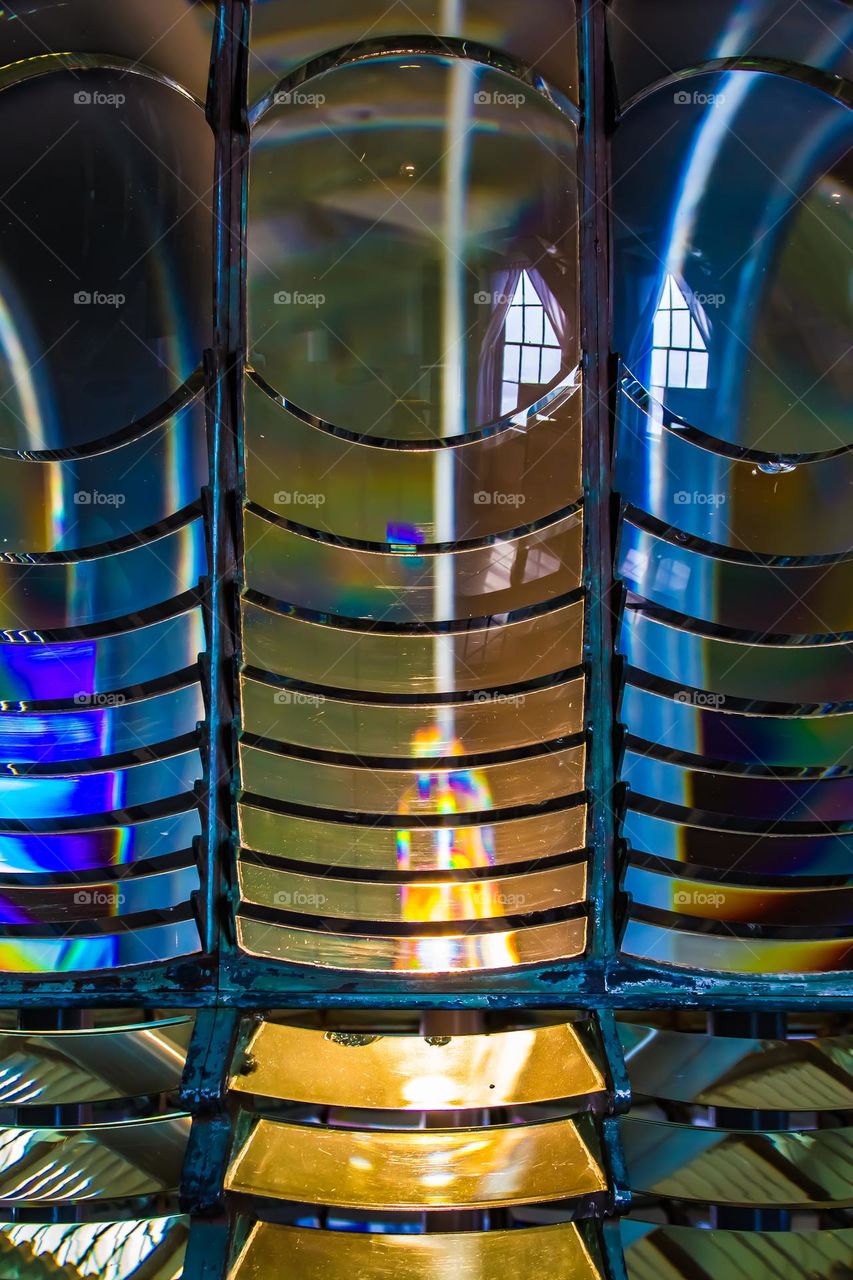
x: 532, y: 355
x: 679, y: 351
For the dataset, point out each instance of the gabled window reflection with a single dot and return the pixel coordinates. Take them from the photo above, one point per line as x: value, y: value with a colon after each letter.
x: 679, y: 351
x: 532, y: 355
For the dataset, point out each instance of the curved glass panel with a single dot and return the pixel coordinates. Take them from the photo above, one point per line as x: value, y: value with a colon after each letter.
x: 748, y: 505
x: 411, y: 792
x: 69, y: 506
x: 119, y: 725
x: 168, y: 36
x: 94, y: 1162
x: 685, y: 722
x: 479, y: 657
x: 407, y: 587
x: 410, y: 1073
x: 59, y: 596
x: 735, y: 668
x: 81, y: 953
x: 774, y: 799
x: 726, y: 1255
x: 514, y: 477
x: 801, y: 601
x: 60, y: 1067
x: 59, y: 852
x: 731, y: 258
x: 663, y: 944
x: 283, y: 37
x: 376, y: 1169
x: 292, y: 1253
x: 496, y: 721
x: 68, y: 795
x: 426, y: 848
x: 650, y: 42
x: 721, y: 900
x: 444, y: 953
x: 107, y: 1250
x: 104, y: 291
x: 732, y: 1071
x: 410, y: 901
x: 133, y: 894
x: 414, y: 274
x: 770, y: 854
x: 770, y: 1168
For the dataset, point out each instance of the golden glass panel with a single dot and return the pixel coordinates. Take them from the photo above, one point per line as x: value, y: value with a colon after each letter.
x: 294, y: 1253
x: 482, y: 657
x: 411, y: 1073
x: 762, y: 1169
x: 730, y: 1071
x: 410, y: 792
x: 417, y: 902
x: 488, y: 722
x: 418, y: 1169
x: 354, y: 490
x: 342, y: 844
x: 445, y: 953
x: 95, y: 1162
x: 56, y: 1068
x: 511, y: 573
x: 655, y: 1252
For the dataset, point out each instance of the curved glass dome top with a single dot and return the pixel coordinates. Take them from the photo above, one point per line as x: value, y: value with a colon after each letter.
x: 412, y: 246
x: 542, y: 33
x: 733, y: 230
x: 105, y: 270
